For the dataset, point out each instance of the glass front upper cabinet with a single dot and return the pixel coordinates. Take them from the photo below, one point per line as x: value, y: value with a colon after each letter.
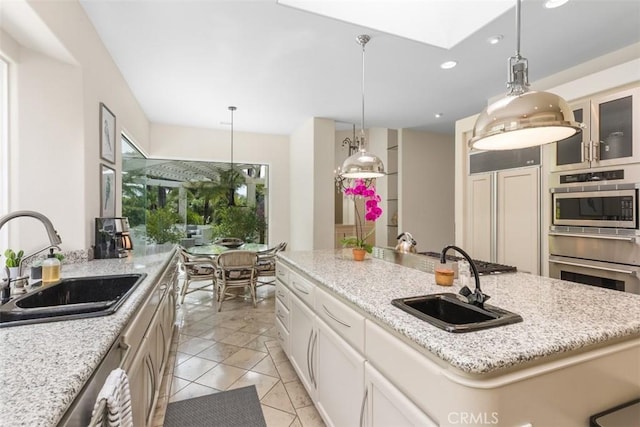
x: 611, y: 135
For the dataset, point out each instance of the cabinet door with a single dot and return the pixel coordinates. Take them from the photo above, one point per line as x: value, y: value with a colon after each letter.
x: 480, y: 226
x: 518, y: 219
x: 301, y: 340
x: 386, y: 406
x: 339, y: 371
x: 614, y: 127
x: 142, y: 383
x: 573, y: 152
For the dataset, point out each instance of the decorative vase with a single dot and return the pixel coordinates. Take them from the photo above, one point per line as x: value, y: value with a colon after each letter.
x: 13, y: 272
x: 358, y: 254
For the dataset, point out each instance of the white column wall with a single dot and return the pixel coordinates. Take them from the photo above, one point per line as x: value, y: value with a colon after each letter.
x: 323, y: 184
x: 187, y: 143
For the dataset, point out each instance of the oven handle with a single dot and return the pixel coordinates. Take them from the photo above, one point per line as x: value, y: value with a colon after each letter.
x: 631, y: 239
x: 576, y: 264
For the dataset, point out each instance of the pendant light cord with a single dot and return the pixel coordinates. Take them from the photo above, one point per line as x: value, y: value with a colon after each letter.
x: 518, y: 29
x: 362, y: 40
x: 232, y: 109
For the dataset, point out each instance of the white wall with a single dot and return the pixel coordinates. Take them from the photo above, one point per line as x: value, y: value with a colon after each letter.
x: 426, y: 188
x: 312, y: 160
x: 187, y: 143
x: 60, y: 74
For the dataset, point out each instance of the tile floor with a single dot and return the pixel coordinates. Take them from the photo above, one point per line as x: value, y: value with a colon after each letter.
x: 216, y: 351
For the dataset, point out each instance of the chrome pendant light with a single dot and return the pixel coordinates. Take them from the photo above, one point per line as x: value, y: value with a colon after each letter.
x: 362, y: 164
x: 523, y: 118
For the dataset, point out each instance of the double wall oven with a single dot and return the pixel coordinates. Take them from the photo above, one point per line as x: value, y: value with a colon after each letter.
x: 594, y: 236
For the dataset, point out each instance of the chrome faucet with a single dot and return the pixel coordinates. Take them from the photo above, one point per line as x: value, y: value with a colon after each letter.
x: 54, y: 238
x: 476, y: 297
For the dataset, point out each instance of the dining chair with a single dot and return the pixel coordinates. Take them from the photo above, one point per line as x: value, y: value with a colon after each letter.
x: 267, y: 264
x: 235, y: 269
x: 197, y: 268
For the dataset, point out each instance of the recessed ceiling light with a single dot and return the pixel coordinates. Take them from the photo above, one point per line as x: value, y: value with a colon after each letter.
x: 448, y: 65
x: 551, y: 4
x: 438, y: 115
x: 495, y: 39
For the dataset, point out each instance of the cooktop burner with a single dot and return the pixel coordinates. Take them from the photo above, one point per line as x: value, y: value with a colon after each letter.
x: 484, y: 267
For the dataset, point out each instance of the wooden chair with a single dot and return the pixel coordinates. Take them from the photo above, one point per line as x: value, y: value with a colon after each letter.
x: 267, y: 264
x: 197, y: 268
x: 235, y: 269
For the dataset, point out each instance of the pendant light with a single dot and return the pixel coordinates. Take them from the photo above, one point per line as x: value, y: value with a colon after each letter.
x: 362, y: 164
x: 523, y: 118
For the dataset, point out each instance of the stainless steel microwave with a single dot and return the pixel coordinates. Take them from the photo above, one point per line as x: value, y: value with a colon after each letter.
x: 600, y: 208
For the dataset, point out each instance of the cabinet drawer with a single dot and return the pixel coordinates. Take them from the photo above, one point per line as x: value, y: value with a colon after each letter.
x: 303, y: 288
x: 282, y: 293
x: 347, y: 322
x: 282, y: 314
x: 282, y: 272
x: 283, y: 337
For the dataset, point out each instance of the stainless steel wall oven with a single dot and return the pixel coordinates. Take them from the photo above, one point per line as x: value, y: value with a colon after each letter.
x: 594, y: 238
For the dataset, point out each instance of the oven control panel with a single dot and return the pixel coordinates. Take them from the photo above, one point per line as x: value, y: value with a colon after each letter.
x: 592, y: 176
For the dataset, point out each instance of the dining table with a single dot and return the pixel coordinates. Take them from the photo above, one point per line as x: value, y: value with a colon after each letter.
x: 214, y: 250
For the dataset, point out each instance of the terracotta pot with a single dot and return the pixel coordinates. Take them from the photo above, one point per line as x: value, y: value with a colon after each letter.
x: 358, y: 254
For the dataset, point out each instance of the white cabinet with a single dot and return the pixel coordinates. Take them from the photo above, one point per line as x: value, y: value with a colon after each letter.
x: 302, y: 343
x: 339, y: 376
x: 610, y: 136
x: 503, y: 221
x: 385, y: 405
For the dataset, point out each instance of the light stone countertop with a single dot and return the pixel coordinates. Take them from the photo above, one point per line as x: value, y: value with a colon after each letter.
x: 558, y: 316
x: 44, y: 366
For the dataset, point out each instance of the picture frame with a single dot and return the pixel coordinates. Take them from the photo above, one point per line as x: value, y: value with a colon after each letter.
x: 107, y: 191
x: 107, y: 134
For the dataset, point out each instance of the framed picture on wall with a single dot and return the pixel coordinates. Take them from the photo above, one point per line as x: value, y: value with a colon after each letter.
x: 107, y: 191
x: 107, y: 134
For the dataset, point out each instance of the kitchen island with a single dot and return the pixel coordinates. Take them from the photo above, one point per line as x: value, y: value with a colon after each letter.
x: 576, y: 352
x: 43, y: 367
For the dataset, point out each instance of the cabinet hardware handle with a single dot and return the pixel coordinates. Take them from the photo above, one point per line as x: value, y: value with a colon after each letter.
x: 125, y: 356
x: 163, y: 287
x: 364, y: 403
x: 575, y: 264
x: 631, y: 239
x: 313, y: 350
x: 303, y: 290
x: 584, y: 152
x: 332, y: 316
x: 309, y: 355
x: 595, y: 150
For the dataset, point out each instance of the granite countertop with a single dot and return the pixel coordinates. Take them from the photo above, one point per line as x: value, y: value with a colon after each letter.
x: 44, y: 366
x: 558, y: 316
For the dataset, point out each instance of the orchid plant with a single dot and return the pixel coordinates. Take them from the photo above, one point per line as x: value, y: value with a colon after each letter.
x: 362, y: 189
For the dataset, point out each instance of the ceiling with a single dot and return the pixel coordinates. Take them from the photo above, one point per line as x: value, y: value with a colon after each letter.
x: 187, y: 61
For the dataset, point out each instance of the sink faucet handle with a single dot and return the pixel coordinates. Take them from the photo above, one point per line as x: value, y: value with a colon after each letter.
x: 465, y: 291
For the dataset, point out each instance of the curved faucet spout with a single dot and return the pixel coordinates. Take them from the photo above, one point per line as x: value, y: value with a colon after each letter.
x: 54, y: 238
x: 476, y: 297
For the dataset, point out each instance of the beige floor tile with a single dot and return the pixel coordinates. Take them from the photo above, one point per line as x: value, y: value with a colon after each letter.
x: 277, y: 353
x: 192, y: 390
x: 216, y: 333
x: 195, y: 329
x: 221, y: 377
x: 219, y: 351
x: 263, y: 383
x: 256, y: 328
x: 296, y: 423
x: 309, y: 417
x: 193, y: 368
x: 178, y: 384
x: 194, y: 346
x: 236, y: 324
x: 245, y: 358
x: 239, y: 338
x: 181, y: 357
x: 298, y: 394
x: 271, y: 332
x: 278, y: 398
x: 259, y: 343
x: 276, y: 418
x: 286, y: 371
x: 266, y: 366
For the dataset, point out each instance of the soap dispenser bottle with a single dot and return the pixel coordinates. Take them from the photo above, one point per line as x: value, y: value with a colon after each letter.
x: 50, y: 269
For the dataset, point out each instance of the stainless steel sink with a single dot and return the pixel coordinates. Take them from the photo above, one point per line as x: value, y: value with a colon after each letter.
x: 72, y: 298
x: 448, y: 311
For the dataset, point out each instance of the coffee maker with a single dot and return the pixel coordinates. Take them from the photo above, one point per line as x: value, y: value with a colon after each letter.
x: 112, y: 238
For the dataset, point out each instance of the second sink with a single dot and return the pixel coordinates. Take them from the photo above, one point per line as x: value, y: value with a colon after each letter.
x: 448, y: 312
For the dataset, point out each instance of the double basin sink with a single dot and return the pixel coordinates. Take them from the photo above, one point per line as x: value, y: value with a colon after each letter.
x: 447, y: 311
x: 72, y: 298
